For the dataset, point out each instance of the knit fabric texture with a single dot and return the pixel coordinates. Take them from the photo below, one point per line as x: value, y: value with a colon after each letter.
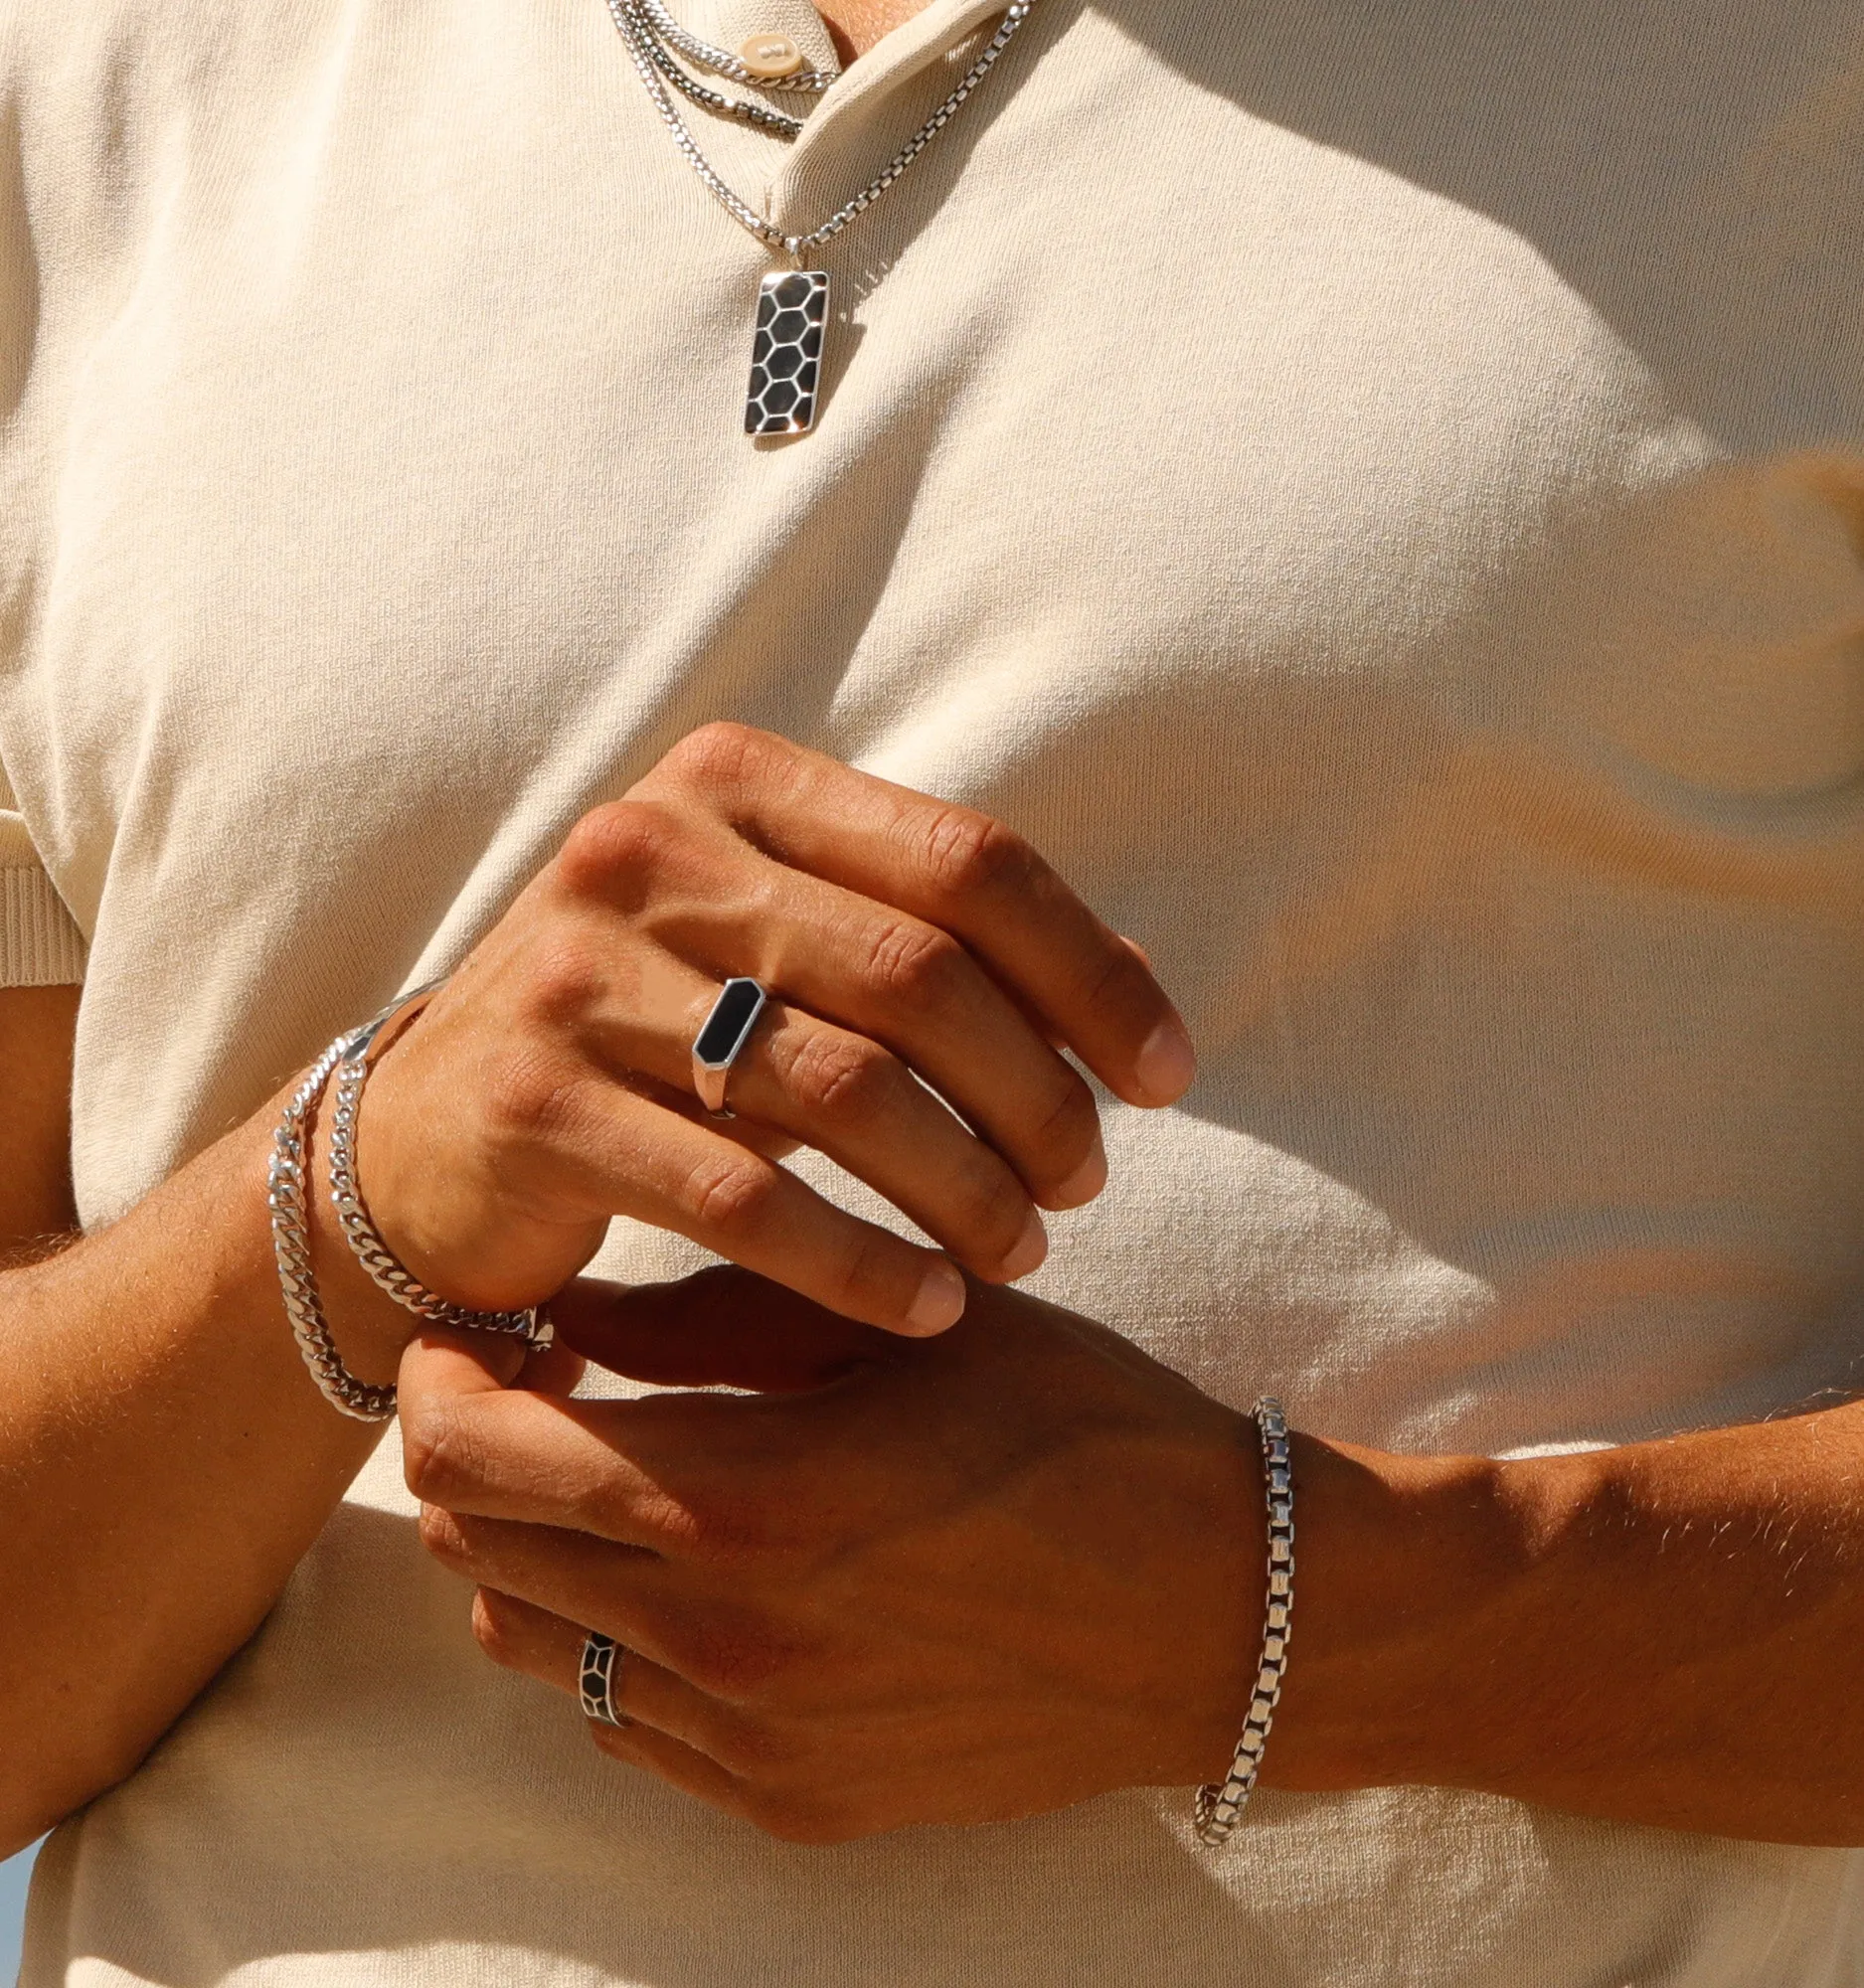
x: 1374, y: 492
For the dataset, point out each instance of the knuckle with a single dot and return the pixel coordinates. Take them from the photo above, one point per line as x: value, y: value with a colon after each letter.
x: 718, y: 1532
x: 916, y: 966
x: 731, y: 1195
x: 496, y: 1630
x: 532, y: 1096
x: 988, y: 1207
x: 970, y: 854
x: 436, y: 1449
x: 439, y: 1532
x: 879, y: 1278
x: 618, y: 844
x: 721, y: 756
x: 1066, y: 1137
x: 620, y: 1510
x: 565, y: 979
x: 844, y: 1079
x: 1121, y: 986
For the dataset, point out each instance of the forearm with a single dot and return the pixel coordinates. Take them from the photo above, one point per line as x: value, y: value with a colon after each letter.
x: 1668, y: 1632
x: 165, y: 1460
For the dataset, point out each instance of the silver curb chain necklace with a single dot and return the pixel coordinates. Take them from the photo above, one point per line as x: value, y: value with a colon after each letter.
x: 793, y: 303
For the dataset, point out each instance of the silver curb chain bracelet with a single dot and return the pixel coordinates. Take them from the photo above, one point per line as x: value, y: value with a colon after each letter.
x: 351, y: 1056
x: 1220, y: 1806
x: 285, y: 1196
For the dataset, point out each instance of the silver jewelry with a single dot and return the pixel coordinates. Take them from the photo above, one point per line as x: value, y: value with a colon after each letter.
x: 786, y: 348
x: 595, y: 1679
x: 719, y: 61
x: 712, y: 99
x: 721, y: 1036
x: 1219, y: 1808
x: 290, y: 1242
x: 286, y: 1190
x: 385, y: 1270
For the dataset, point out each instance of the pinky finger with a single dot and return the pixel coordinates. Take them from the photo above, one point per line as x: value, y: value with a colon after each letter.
x: 673, y: 1761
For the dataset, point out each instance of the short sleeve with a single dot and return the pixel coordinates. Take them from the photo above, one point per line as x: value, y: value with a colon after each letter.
x: 40, y: 945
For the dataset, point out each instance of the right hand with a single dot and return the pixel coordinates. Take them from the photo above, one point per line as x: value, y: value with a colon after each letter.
x: 547, y: 1087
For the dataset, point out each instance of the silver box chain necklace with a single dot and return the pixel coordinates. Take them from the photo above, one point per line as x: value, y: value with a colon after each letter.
x: 793, y: 303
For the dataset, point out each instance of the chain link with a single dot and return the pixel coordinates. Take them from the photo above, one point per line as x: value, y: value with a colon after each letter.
x: 384, y: 1269
x: 1219, y: 1807
x: 759, y: 114
x: 286, y: 1198
x: 631, y: 22
x: 290, y: 1241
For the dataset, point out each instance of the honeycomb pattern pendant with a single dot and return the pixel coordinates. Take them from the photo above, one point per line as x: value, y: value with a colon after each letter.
x: 786, y: 352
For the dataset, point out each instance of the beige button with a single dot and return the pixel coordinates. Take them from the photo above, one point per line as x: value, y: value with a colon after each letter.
x: 769, y: 56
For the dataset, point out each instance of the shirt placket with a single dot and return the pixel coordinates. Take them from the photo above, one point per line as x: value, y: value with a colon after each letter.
x: 805, y: 179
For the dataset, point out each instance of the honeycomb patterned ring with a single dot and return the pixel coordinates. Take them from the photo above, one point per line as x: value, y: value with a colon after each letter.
x: 595, y: 1679
x: 786, y: 352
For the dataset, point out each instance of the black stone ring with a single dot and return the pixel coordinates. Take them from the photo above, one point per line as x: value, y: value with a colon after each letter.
x: 722, y: 1035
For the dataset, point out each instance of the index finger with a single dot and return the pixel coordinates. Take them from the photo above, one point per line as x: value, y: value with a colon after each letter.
x: 472, y: 1445
x: 964, y: 872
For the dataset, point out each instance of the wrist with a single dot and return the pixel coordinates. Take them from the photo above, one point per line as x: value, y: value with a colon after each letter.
x: 240, y: 1262
x: 1407, y: 1565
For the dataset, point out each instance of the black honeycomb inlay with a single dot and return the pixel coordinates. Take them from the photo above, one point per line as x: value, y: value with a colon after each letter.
x: 787, y: 354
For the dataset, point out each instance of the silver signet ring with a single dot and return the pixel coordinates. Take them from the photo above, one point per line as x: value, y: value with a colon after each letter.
x: 721, y: 1037
x: 595, y: 1678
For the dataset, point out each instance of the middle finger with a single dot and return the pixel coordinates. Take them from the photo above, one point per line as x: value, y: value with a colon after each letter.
x: 909, y: 986
x: 723, y: 1650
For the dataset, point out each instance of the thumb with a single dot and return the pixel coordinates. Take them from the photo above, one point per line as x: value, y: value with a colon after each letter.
x: 445, y: 1360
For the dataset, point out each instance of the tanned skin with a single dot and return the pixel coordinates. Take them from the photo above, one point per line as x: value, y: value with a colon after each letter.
x: 1670, y: 1632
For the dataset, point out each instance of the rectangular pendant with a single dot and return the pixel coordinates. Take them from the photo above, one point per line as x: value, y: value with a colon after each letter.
x: 787, y: 354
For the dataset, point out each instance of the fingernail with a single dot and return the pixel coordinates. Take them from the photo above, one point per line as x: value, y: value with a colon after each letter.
x: 1167, y: 1063
x: 1030, y: 1247
x: 1085, y: 1182
x: 941, y: 1299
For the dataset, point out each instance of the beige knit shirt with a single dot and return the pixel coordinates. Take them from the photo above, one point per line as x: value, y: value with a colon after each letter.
x: 1373, y: 490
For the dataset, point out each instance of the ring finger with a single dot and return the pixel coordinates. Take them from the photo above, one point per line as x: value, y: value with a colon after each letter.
x: 851, y: 1100
x: 524, y: 1637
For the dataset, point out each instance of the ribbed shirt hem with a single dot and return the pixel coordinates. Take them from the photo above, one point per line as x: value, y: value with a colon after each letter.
x: 39, y: 946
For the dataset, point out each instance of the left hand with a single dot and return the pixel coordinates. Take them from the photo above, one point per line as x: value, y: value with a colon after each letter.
x: 951, y: 1580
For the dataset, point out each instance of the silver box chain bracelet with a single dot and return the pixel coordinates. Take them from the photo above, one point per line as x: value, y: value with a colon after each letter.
x: 1220, y: 1807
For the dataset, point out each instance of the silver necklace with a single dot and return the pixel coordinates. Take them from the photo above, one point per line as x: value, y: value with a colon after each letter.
x: 658, y: 35
x: 720, y: 63
x: 793, y: 303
